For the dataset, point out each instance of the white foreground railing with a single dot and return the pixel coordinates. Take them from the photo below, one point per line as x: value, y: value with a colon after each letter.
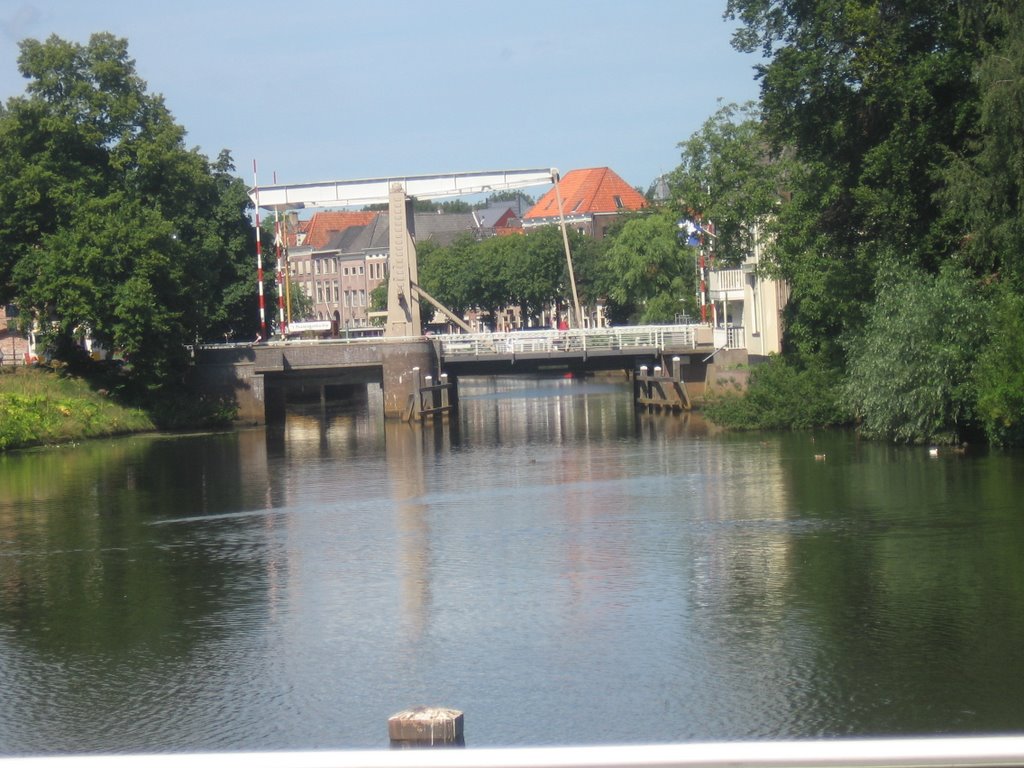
x: 623, y: 338
x: 977, y: 752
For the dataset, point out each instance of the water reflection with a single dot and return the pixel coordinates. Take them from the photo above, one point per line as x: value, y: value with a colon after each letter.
x: 604, y: 576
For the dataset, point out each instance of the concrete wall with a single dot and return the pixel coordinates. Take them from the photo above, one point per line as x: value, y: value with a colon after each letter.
x: 230, y: 373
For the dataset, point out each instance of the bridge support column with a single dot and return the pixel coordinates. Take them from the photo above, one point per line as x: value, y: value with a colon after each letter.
x: 405, y: 365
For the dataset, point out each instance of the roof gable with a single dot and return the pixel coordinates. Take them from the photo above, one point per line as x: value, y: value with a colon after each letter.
x: 587, y: 192
x: 323, y: 223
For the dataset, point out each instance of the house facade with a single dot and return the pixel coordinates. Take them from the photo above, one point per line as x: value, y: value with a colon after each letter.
x: 338, y: 258
x: 746, y: 307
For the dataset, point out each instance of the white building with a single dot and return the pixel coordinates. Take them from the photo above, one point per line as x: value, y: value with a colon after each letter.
x: 746, y: 307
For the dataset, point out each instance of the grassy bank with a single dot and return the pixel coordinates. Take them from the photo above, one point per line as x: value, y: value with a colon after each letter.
x: 40, y: 407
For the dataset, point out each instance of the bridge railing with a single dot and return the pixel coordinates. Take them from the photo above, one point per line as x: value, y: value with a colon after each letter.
x: 732, y: 337
x: 658, y: 337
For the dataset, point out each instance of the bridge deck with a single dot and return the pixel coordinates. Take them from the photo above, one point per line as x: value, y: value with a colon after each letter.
x: 548, y: 349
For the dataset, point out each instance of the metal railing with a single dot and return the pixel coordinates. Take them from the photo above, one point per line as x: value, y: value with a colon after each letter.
x: 659, y: 337
x: 726, y: 280
x: 968, y: 752
x: 732, y: 337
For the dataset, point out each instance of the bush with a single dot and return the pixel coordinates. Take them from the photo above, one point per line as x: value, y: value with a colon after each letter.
x: 40, y: 406
x: 999, y: 373
x: 910, y: 370
x: 782, y: 394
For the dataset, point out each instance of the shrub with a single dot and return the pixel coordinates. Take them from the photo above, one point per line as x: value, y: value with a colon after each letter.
x: 782, y: 394
x: 999, y: 373
x: 910, y: 370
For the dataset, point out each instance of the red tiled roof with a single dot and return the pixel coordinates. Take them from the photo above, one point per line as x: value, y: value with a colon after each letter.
x: 588, y: 191
x: 323, y: 223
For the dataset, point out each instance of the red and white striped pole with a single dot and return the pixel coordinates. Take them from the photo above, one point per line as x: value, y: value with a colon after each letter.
x: 281, y: 322
x: 703, y: 289
x: 259, y: 258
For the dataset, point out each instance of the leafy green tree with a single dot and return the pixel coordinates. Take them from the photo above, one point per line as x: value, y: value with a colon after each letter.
x: 729, y: 178
x: 871, y: 97
x: 654, y: 271
x: 109, y: 225
x: 999, y: 373
x: 379, y: 302
x: 539, y: 275
x: 594, y: 279
x: 985, y: 192
x: 449, y: 274
x: 910, y: 371
x: 301, y: 304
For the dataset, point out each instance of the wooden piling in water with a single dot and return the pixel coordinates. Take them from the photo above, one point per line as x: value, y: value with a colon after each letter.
x: 426, y: 727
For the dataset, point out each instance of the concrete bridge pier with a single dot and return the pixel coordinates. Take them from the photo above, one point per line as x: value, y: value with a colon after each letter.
x: 405, y: 367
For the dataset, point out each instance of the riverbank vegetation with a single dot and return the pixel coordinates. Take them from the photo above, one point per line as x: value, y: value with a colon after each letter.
x: 41, y: 406
x: 890, y: 135
x: 51, y: 404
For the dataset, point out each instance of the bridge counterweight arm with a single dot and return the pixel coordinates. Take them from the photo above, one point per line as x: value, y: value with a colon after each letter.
x: 442, y: 308
x: 358, y: 192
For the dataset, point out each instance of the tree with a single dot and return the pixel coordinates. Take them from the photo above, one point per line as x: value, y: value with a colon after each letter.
x: 999, y: 373
x: 449, y: 274
x: 729, y: 178
x: 654, y: 270
x: 301, y: 305
x: 910, y: 372
x: 538, y: 273
x: 871, y: 98
x: 110, y: 226
x: 985, y: 185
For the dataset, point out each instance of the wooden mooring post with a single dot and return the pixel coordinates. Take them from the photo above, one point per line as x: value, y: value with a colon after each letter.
x: 660, y: 390
x: 427, y: 727
x: 435, y: 400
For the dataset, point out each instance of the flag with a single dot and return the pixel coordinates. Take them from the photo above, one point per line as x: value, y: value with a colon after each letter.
x: 693, y: 230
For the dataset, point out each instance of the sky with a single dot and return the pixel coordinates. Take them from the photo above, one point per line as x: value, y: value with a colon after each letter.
x: 347, y: 89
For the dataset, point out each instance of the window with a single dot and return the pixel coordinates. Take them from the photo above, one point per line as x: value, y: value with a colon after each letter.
x: 360, y: 269
x: 618, y: 201
x: 320, y: 293
x: 335, y: 291
x: 362, y: 298
x: 346, y: 270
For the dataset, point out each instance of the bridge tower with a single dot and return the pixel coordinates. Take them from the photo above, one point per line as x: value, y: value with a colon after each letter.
x: 403, y: 310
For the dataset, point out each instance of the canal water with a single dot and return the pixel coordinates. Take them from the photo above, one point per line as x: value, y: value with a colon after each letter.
x: 559, y: 568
